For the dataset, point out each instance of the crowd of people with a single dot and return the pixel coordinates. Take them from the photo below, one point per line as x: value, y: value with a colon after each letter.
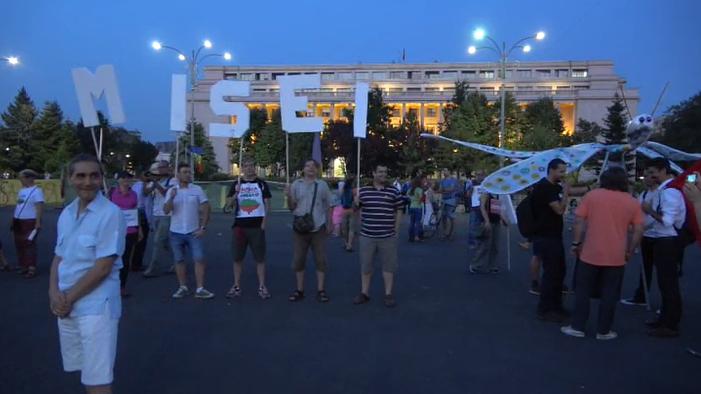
x: 102, y: 237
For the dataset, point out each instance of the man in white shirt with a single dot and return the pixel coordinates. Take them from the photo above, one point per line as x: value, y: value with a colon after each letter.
x: 161, y: 255
x: 669, y: 213
x: 189, y: 208
x: 84, y: 282
x: 648, y: 196
x: 26, y: 222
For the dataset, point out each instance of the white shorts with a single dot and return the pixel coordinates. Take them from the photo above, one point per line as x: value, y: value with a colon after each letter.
x: 89, y: 345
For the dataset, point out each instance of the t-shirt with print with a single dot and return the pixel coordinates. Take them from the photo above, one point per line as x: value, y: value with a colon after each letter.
x: 250, y: 204
x: 27, y: 198
x: 548, y: 223
x: 185, y: 217
x: 303, y: 192
x: 608, y: 215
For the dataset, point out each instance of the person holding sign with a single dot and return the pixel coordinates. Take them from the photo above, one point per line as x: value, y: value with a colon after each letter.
x: 84, y: 282
x: 189, y: 208
x: 250, y: 197
x: 128, y: 201
x: 309, y: 200
x: 26, y: 222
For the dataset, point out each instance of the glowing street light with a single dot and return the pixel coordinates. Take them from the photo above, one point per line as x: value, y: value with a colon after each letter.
x: 193, y: 63
x: 11, y: 60
x: 479, y: 34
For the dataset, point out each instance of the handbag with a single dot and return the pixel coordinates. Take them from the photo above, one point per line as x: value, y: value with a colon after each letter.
x: 304, y: 224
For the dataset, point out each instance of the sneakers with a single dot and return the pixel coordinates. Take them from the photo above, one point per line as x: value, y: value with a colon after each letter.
x: 263, y: 293
x: 607, y: 337
x: 633, y: 301
x: 361, y: 299
x: 204, y: 294
x: 234, y: 292
x: 535, y: 288
x: 568, y: 330
x: 181, y: 292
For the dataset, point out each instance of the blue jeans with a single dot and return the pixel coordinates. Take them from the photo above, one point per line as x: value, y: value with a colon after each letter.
x: 180, y: 242
x: 475, y: 225
x: 415, y: 226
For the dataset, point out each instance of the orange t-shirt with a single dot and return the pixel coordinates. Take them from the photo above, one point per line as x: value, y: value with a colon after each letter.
x: 608, y: 215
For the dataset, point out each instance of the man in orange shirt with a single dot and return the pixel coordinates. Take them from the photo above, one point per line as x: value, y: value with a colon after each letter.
x: 607, y: 214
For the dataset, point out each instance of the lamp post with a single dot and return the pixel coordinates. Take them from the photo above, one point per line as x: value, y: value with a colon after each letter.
x: 193, y: 63
x: 503, y: 53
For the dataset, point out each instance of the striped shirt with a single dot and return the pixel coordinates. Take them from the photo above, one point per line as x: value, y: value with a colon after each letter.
x: 378, y: 210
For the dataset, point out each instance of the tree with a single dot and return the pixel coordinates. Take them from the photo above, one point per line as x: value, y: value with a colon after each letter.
x: 208, y: 166
x: 416, y: 153
x: 615, y: 123
x: 259, y: 117
x: 585, y: 132
x: 56, y: 142
x: 461, y: 89
x: 16, y: 136
x: 475, y: 120
x: 269, y: 147
x: 681, y: 125
x: 543, y: 126
x: 383, y: 142
x: 338, y: 142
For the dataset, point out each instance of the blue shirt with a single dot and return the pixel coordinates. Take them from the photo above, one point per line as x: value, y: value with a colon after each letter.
x: 449, y: 183
x: 99, y: 232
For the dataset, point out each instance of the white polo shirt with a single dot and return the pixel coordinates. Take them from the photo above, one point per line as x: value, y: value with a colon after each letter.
x: 185, y: 217
x: 27, y: 198
x: 670, y: 204
x: 160, y: 199
x: 99, y: 232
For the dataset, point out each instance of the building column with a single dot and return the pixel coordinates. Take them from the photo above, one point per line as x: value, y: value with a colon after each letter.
x: 403, y: 114
x: 440, y: 113
x: 314, y: 110
x: 421, y: 114
x: 333, y: 112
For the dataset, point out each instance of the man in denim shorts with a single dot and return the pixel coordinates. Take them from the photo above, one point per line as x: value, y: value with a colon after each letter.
x: 189, y: 208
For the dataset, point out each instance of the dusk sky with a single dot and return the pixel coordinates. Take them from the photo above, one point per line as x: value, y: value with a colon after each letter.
x: 650, y: 42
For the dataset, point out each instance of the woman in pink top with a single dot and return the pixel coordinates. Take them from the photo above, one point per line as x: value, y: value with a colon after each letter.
x: 126, y: 199
x: 606, y: 214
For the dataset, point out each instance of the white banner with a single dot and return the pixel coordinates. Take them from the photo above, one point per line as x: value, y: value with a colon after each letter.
x: 89, y: 87
x: 178, y: 87
x: 360, y: 117
x: 220, y: 107
x: 290, y: 104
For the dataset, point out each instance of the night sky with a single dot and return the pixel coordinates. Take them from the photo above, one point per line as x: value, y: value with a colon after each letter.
x: 650, y: 42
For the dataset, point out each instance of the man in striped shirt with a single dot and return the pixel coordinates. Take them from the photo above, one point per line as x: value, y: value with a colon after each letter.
x: 380, y: 216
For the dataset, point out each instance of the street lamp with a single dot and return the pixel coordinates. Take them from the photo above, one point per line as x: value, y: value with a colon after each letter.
x: 193, y: 63
x: 480, y: 34
x: 11, y: 60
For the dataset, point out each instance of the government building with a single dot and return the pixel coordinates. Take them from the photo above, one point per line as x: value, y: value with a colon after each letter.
x: 580, y: 89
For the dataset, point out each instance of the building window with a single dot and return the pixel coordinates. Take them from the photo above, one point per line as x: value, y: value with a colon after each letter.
x: 397, y: 75
x: 395, y: 90
x: 432, y: 74
x: 413, y: 75
x: 328, y: 76
x: 431, y: 112
x: 581, y: 86
x: 509, y: 74
x: 343, y: 90
x: 247, y: 76
x: 345, y: 76
x: 230, y: 76
x: 258, y: 90
x: 487, y: 74
x: 524, y: 73
x: 469, y: 74
x: 431, y: 89
x: 579, y: 73
x: 275, y: 75
x: 294, y: 73
x: 361, y: 76
x: 562, y: 73
x: 379, y: 75
x: 413, y: 89
x: 543, y: 73
x: 396, y: 112
x: 525, y: 88
x: 450, y: 75
x: 562, y: 87
x: 450, y: 89
x: 487, y: 88
x: 326, y: 112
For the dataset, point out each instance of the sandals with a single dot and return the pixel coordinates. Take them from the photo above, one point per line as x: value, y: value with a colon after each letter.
x: 297, y: 295
x: 321, y: 296
x: 233, y: 292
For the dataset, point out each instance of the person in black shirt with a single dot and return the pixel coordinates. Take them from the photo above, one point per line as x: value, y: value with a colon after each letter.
x: 250, y: 198
x: 549, y: 201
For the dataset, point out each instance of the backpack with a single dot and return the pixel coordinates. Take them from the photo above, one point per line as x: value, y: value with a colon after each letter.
x: 527, y: 225
x: 685, y: 236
